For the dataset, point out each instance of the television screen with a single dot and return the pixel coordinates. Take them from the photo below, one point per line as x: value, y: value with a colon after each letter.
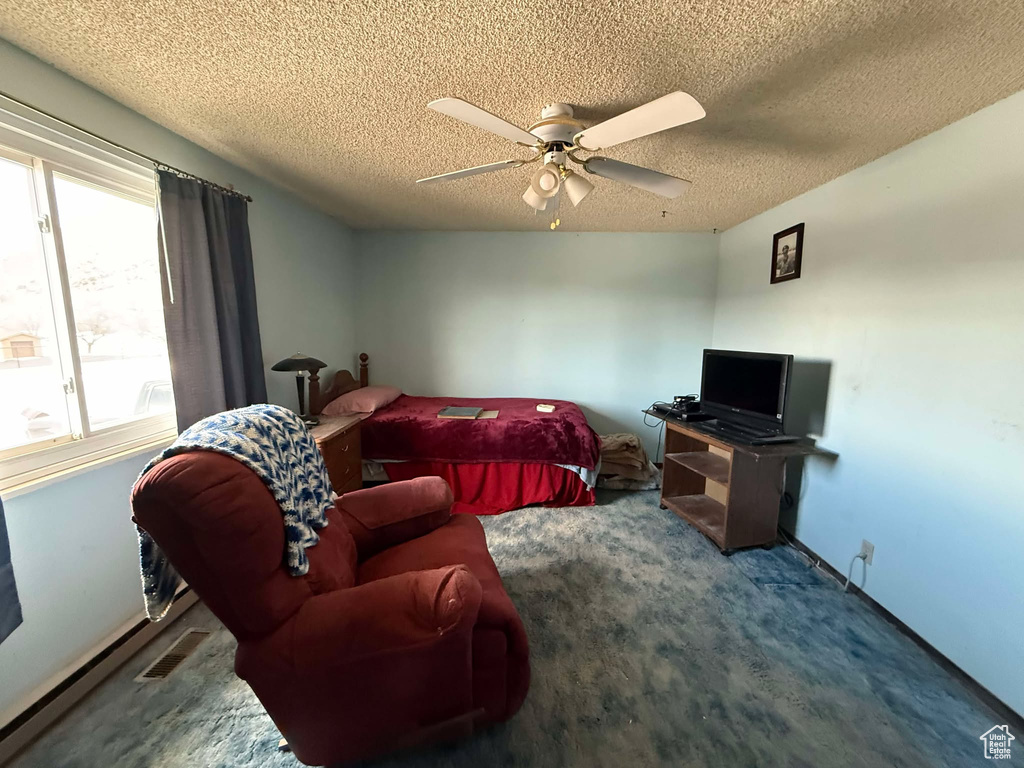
x: 745, y: 383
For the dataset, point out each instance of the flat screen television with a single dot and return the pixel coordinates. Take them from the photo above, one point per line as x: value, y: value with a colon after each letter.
x: 745, y: 387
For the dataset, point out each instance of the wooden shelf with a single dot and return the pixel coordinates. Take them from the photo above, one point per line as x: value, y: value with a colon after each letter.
x: 726, y: 490
x: 701, y: 511
x: 704, y: 463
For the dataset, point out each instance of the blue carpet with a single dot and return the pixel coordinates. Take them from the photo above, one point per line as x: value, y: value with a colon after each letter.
x: 648, y: 647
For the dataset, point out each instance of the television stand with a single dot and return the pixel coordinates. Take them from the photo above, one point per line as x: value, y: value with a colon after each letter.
x: 727, y: 490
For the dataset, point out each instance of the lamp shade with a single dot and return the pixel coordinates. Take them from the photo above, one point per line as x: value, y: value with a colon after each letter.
x: 299, y: 362
x: 533, y: 200
x: 546, y: 181
x: 577, y: 187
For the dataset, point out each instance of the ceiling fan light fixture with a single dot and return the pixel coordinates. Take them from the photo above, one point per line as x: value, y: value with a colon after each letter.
x: 546, y: 181
x: 577, y: 187
x: 534, y: 200
x: 558, y: 135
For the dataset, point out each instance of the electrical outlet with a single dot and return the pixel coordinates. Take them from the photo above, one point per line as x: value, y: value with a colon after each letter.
x: 868, y: 550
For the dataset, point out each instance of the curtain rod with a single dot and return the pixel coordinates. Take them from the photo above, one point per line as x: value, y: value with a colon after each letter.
x: 156, y: 163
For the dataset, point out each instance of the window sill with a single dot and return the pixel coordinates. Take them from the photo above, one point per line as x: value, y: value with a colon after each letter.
x: 16, y: 486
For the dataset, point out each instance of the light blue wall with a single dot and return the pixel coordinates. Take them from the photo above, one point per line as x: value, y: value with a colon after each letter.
x: 76, y: 562
x: 610, y: 321
x: 73, y: 545
x: 913, y: 288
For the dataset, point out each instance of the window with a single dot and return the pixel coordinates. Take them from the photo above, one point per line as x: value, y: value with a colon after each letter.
x: 84, y: 372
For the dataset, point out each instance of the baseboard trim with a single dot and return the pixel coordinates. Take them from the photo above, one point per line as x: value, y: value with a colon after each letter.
x: 1008, y: 715
x: 26, y: 727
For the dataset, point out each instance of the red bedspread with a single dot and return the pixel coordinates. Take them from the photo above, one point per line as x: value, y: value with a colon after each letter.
x: 490, y: 489
x: 409, y: 430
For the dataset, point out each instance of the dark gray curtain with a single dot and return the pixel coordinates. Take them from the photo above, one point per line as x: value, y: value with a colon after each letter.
x: 213, y: 334
x: 10, y: 608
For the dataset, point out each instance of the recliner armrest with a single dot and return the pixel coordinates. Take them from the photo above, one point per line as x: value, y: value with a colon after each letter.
x: 383, y: 617
x: 390, y: 514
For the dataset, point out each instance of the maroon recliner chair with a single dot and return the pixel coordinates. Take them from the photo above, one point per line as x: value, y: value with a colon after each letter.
x: 401, y: 633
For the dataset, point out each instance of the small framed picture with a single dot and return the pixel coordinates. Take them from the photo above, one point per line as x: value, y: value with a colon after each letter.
x: 787, y: 253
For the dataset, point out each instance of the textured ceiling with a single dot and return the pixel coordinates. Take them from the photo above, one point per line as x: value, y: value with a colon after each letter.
x: 329, y: 99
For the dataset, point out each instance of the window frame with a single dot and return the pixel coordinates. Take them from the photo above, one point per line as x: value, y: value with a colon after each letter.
x: 48, y: 150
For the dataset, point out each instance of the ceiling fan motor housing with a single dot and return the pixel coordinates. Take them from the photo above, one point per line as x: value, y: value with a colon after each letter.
x: 558, y: 109
x: 556, y: 124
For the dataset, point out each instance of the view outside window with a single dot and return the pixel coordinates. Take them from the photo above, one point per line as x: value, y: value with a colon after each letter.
x: 110, y: 249
x: 33, y: 405
x: 95, y: 287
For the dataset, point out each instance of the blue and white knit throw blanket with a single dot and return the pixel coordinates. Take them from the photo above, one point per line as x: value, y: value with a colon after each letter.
x: 275, y: 444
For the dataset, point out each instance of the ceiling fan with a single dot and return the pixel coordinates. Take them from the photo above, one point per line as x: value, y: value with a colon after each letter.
x: 558, y: 138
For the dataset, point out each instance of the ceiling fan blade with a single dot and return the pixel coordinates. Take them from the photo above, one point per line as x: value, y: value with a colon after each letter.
x: 481, y: 118
x: 637, y: 176
x: 471, y: 171
x: 677, y: 108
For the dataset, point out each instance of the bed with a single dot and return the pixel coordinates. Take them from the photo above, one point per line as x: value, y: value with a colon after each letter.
x: 522, y: 457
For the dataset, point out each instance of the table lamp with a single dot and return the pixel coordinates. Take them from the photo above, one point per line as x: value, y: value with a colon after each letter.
x: 300, y: 363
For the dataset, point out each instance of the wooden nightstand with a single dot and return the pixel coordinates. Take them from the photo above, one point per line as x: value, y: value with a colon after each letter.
x: 337, y: 437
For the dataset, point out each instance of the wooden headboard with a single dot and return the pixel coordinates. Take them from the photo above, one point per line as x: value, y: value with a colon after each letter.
x: 342, y: 382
